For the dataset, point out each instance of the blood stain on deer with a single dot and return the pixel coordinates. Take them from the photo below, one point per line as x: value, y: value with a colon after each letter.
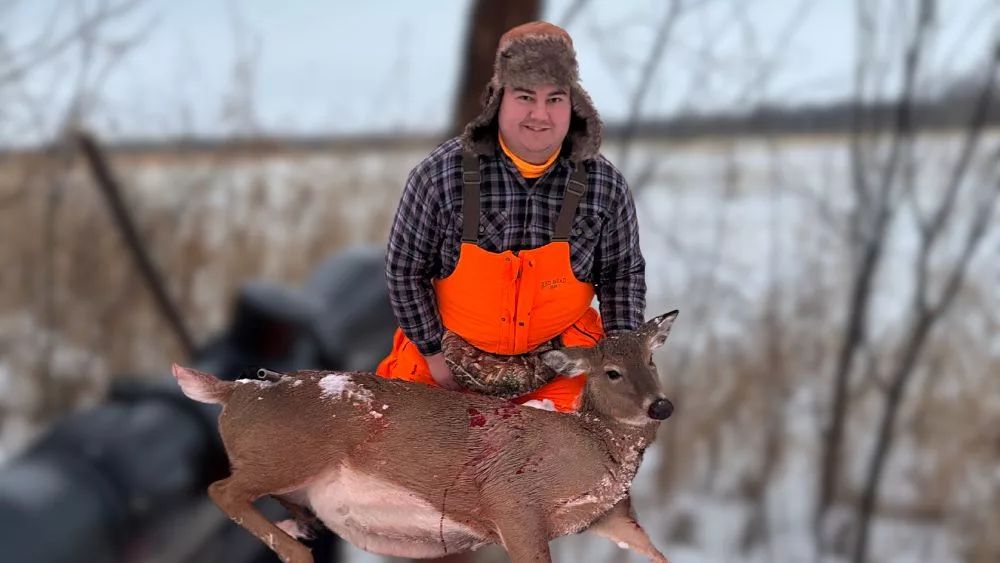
x: 506, y: 411
x: 531, y: 464
x: 444, y: 545
x: 476, y: 418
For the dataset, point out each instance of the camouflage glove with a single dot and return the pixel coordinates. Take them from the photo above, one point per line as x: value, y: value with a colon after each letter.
x: 495, y: 374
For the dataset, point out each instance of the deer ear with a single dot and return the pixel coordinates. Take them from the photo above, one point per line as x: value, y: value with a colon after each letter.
x: 567, y: 361
x: 659, y: 328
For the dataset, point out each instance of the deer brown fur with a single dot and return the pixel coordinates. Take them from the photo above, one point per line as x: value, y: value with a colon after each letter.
x: 410, y: 470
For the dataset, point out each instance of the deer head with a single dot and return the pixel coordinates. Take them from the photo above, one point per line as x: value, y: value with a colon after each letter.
x: 624, y: 384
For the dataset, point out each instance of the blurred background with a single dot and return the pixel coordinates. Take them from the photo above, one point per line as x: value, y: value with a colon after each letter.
x: 212, y: 183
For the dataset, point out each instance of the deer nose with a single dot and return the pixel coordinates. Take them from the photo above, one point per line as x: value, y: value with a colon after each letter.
x: 661, y: 409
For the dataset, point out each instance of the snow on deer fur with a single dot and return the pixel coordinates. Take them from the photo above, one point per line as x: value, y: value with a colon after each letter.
x: 338, y: 384
x: 409, y: 470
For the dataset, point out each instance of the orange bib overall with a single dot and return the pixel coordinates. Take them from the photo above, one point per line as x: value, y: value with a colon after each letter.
x: 509, y: 303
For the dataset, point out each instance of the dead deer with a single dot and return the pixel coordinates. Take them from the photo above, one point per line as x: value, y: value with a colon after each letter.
x: 409, y: 470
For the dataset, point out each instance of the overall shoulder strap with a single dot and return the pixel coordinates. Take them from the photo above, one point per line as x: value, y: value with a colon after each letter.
x: 471, y: 179
x: 575, y: 188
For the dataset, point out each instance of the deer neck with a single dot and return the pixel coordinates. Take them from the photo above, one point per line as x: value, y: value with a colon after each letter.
x: 625, y: 443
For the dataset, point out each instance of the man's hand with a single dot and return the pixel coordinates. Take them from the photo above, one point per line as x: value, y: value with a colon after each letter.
x: 440, y: 372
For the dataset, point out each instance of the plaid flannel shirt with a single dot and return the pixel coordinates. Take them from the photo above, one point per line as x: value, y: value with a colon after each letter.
x: 516, y: 214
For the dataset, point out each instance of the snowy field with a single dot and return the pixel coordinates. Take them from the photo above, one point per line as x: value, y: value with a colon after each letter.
x: 746, y: 239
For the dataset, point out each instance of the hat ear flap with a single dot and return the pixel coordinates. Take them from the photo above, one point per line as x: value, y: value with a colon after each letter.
x: 586, y: 128
x: 479, y: 134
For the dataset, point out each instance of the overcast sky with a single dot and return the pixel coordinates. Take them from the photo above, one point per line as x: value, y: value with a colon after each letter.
x: 347, y: 66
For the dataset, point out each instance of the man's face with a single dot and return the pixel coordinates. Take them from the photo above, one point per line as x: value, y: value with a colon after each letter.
x: 534, y: 121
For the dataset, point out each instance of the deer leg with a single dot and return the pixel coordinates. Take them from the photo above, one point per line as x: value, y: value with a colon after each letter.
x: 523, y: 538
x: 528, y: 551
x: 235, y: 500
x: 620, y: 525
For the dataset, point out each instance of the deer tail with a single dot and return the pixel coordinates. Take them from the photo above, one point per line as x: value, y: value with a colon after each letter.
x: 202, y: 387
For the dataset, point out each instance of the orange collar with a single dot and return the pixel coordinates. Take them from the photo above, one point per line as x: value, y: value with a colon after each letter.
x: 527, y: 169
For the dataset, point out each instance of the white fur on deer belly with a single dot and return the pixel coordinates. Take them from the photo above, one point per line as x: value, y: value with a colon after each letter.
x: 386, y: 519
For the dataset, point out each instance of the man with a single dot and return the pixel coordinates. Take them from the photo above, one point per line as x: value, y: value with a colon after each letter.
x: 506, y: 233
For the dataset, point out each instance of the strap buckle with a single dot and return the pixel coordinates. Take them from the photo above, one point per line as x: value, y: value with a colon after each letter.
x: 472, y: 177
x: 575, y: 186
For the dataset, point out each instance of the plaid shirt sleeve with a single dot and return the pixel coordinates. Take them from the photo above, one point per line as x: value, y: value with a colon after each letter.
x: 411, y: 260
x: 620, y: 271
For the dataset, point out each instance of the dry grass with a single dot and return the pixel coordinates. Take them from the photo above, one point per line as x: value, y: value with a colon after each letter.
x: 204, y: 236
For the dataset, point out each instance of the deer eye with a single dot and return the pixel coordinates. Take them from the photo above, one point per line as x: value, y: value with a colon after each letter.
x: 612, y: 374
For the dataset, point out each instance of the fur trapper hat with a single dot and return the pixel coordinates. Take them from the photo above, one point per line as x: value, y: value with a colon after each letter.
x: 528, y: 55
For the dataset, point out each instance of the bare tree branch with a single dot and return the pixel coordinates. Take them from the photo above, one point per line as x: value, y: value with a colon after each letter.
x: 60, y: 153
x: 925, y: 313
x: 865, y: 38
x: 656, y: 52
x: 854, y: 335
x: 984, y: 14
x: 768, y: 65
x: 616, y: 62
x: 919, y: 331
x: 240, y: 105
x: 111, y: 189
x: 86, y: 37
x: 872, y: 214
x: 45, y: 52
x: 930, y: 230
x: 572, y: 12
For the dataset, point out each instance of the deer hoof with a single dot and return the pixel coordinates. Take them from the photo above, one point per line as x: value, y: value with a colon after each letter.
x: 294, y: 529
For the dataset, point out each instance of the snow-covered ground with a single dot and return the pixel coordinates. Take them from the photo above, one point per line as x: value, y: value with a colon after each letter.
x: 722, y: 227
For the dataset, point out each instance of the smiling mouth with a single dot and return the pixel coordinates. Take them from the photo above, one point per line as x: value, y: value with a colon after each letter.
x: 536, y: 129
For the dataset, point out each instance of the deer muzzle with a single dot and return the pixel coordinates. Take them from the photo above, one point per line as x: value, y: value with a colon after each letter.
x: 661, y: 409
